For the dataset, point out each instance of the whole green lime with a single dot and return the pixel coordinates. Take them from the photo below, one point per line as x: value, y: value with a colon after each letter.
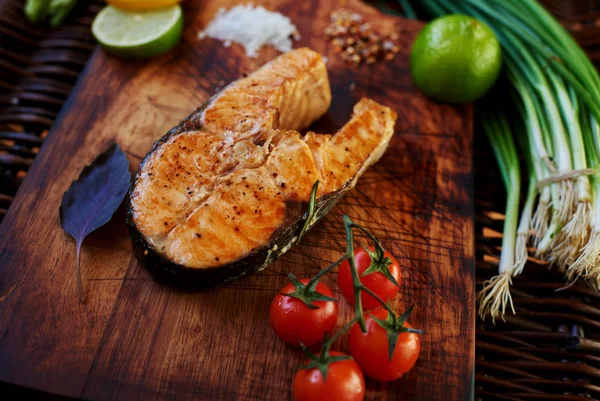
x: 455, y: 59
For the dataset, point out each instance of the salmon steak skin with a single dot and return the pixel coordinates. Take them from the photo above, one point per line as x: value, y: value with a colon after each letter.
x: 226, y: 192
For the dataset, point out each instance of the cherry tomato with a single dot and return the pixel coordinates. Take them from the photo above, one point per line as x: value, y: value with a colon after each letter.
x: 345, y: 382
x: 296, y: 323
x: 376, y: 281
x: 370, y: 349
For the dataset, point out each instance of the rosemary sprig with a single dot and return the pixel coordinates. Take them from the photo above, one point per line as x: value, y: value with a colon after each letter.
x: 311, y: 212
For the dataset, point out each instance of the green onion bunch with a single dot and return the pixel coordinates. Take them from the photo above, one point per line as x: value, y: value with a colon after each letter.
x: 555, y: 90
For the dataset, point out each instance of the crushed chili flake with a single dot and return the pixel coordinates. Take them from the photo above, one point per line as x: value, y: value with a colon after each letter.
x: 357, y: 41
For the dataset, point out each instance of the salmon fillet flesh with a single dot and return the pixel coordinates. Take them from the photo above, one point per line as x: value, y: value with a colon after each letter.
x: 226, y: 191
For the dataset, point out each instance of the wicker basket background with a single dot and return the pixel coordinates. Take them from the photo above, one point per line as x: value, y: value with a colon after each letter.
x: 549, y: 351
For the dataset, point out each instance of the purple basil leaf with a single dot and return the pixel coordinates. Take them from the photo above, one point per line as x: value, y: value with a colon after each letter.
x: 93, y: 198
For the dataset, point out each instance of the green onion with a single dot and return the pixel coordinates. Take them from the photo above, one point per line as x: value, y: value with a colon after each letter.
x: 409, y: 12
x: 556, y: 92
x: 495, y: 296
x: 587, y: 262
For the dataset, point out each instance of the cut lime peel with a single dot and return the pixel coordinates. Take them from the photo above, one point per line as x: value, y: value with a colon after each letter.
x: 124, y: 42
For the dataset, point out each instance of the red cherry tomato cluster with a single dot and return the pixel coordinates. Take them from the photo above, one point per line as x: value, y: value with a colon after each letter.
x: 305, y: 313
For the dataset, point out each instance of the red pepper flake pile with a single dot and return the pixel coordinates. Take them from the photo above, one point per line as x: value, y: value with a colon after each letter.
x: 357, y: 41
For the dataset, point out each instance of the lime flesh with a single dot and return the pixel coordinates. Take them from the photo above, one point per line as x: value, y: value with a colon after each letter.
x: 138, y: 34
x: 455, y: 59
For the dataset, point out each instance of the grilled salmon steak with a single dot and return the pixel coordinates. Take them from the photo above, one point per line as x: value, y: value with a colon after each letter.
x: 226, y: 191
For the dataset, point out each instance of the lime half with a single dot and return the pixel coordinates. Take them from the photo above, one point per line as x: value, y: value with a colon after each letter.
x: 455, y: 59
x: 138, y: 34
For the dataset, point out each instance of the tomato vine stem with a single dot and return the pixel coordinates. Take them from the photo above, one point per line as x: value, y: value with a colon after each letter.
x: 394, y: 325
x: 349, y: 225
x: 341, y: 331
x: 326, y: 270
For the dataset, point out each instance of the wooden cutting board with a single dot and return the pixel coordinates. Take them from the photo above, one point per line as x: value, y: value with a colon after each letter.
x: 138, y: 340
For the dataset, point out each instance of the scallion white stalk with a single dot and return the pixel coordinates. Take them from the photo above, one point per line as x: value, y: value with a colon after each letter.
x: 495, y: 296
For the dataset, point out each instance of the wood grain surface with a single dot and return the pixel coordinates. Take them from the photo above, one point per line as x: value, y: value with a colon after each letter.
x: 137, y: 340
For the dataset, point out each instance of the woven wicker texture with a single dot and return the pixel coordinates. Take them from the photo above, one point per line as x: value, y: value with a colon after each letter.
x: 550, y: 350
x: 38, y: 67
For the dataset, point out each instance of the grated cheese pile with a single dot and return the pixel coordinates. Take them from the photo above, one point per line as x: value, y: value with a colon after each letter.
x: 252, y: 27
